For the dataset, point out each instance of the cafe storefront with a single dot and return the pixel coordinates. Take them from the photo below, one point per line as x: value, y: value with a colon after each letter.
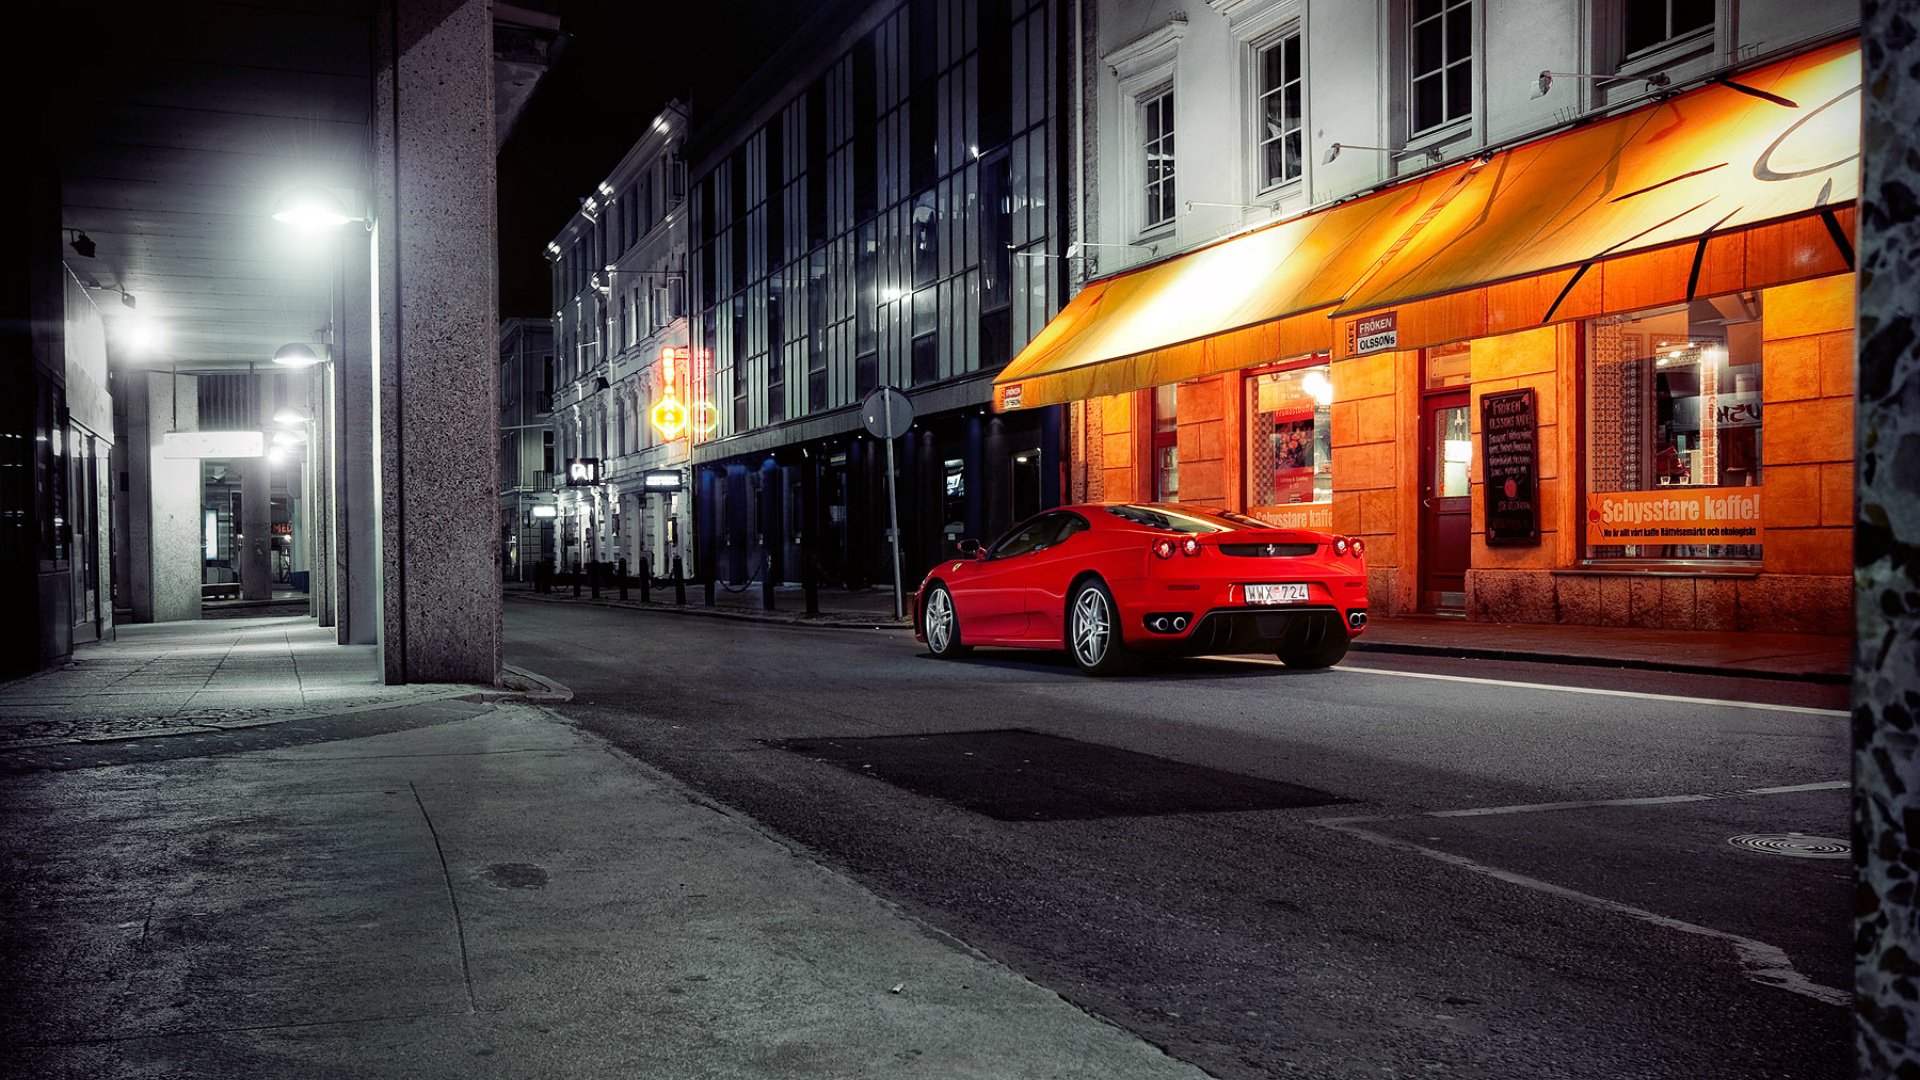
x: 1600, y: 378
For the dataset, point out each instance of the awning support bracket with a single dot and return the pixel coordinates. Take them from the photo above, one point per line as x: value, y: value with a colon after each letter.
x: 1839, y: 235
x: 1558, y: 300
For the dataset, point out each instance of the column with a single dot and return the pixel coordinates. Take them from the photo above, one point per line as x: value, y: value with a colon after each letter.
x: 435, y: 318
x: 164, y: 541
x: 1886, y: 553
x: 356, y: 511
x: 256, y: 501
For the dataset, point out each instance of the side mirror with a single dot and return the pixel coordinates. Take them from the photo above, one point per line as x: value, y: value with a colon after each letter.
x: 972, y: 549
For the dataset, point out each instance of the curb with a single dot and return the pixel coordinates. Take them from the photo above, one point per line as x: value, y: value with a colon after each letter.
x: 842, y: 622
x: 1580, y: 660
x: 835, y: 621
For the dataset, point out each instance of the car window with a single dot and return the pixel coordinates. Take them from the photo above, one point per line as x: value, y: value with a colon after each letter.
x: 1065, y: 525
x: 1180, y: 519
x: 1025, y: 537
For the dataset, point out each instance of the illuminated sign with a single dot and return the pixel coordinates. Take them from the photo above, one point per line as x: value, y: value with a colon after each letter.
x: 705, y: 417
x: 1010, y: 396
x: 186, y: 445
x: 661, y: 480
x: 546, y: 511
x: 583, y: 471
x: 669, y: 416
x: 1674, y: 515
x: 283, y: 528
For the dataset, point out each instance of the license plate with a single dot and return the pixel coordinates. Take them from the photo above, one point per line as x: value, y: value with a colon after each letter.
x: 1294, y: 593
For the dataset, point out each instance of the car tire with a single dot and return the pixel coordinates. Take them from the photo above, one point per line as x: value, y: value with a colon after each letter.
x: 941, y: 624
x: 1327, y: 653
x: 1093, y: 631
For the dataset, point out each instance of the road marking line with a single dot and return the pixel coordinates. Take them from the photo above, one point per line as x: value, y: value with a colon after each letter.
x: 1764, y: 706
x: 1765, y: 964
x: 1650, y: 800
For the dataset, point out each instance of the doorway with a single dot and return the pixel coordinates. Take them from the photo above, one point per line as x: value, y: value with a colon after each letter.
x: 1446, y: 505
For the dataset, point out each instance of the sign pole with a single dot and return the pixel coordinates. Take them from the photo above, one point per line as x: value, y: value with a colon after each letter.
x: 893, y: 515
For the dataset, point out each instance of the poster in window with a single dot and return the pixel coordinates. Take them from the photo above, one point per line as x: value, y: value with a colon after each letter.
x: 1509, y: 464
x: 1293, y: 457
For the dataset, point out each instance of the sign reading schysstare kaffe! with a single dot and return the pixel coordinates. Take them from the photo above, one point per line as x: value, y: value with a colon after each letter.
x: 583, y: 471
x: 1509, y: 467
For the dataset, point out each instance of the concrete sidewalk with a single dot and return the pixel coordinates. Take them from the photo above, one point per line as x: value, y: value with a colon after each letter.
x: 496, y: 895
x: 193, y: 677
x: 1811, y: 657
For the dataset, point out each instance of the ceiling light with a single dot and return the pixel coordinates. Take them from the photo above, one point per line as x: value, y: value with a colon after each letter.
x: 127, y: 299
x: 82, y: 244
x: 140, y: 335
x: 296, y: 354
x: 312, y: 209
x: 288, y: 438
x: 291, y: 416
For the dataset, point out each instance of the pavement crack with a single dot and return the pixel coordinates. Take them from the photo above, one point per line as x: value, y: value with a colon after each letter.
x: 453, y: 898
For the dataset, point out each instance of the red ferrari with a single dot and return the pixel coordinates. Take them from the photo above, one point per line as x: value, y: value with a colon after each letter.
x: 1112, y: 582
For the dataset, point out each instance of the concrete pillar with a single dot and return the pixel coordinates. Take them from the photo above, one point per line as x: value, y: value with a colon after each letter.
x: 352, y: 420
x: 256, y: 503
x: 320, y: 495
x: 436, y: 312
x: 164, y: 542
x: 1886, y: 550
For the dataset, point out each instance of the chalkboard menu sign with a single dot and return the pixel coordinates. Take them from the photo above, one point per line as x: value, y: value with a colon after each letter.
x: 1509, y: 467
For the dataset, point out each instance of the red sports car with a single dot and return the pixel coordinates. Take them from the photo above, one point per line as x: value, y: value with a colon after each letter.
x: 1111, y: 582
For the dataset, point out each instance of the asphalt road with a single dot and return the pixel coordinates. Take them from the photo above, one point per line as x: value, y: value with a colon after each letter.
x: 1243, y: 863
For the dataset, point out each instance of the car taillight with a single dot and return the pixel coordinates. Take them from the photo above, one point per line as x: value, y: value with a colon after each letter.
x: 1189, y: 546
x: 1359, y: 547
x: 1339, y: 545
x: 1163, y: 548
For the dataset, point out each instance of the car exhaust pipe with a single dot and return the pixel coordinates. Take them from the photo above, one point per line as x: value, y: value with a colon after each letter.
x: 1160, y: 624
x: 1179, y: 622
x: 1357, y: 619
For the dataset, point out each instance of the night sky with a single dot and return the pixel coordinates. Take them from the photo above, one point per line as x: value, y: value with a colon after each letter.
x: 624, y: 60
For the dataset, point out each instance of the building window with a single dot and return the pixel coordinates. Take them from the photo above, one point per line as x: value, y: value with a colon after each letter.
x: 1674, y: 432
x: 1280, y: 112
x: 1441, y: 74
x: 1156, y: 145
x: 1655, y: 22
x: 1290, y: 445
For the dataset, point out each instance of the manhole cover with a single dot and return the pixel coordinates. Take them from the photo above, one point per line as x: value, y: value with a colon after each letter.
x: 1797, y: 845
x: 1016, y: 775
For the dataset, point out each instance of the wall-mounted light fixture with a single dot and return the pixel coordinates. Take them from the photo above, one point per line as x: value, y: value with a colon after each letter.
x: 1656, y: 81
x: 311, y: 209
x: 127, y: 300
x: 296, y: 354
x: 1333, y: 151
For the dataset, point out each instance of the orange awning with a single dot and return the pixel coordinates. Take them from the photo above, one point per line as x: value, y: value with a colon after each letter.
x: 1250, y: 299
x: 1736, y: 185
x: 1741, y: 184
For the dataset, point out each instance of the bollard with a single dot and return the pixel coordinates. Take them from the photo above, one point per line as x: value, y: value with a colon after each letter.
x: 646, y: 582
x: 576, y: 583
x: 679, y: 583
x: 622, y: 579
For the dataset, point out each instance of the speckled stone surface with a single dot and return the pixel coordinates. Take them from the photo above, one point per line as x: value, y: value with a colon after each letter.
x: 163, y: 532
x: 1886, y: 706
x: 436, y: 300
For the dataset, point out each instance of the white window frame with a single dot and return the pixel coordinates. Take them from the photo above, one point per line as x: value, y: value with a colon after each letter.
x: 1470, y: 9
x: 1156, y: 192
x: 1255, y: 26
x: 1264, y: 184
x: 1144, y: 69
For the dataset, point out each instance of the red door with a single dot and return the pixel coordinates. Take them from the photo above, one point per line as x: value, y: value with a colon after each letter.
x: 1446, y: 505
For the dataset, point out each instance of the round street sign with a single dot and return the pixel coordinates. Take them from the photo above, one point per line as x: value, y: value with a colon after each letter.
x: 887, y: 412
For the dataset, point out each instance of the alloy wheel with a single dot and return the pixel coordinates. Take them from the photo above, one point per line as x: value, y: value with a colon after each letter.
x: 939, y: 621
x: 1091, y: 627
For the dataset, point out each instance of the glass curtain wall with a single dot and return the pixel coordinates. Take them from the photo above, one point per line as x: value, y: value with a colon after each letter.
x: 875, y: 229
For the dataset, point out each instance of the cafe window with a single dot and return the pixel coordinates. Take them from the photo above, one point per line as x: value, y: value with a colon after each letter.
x: 1674, y: 434
x: 1165, y: 402
x: 1290, y: 446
